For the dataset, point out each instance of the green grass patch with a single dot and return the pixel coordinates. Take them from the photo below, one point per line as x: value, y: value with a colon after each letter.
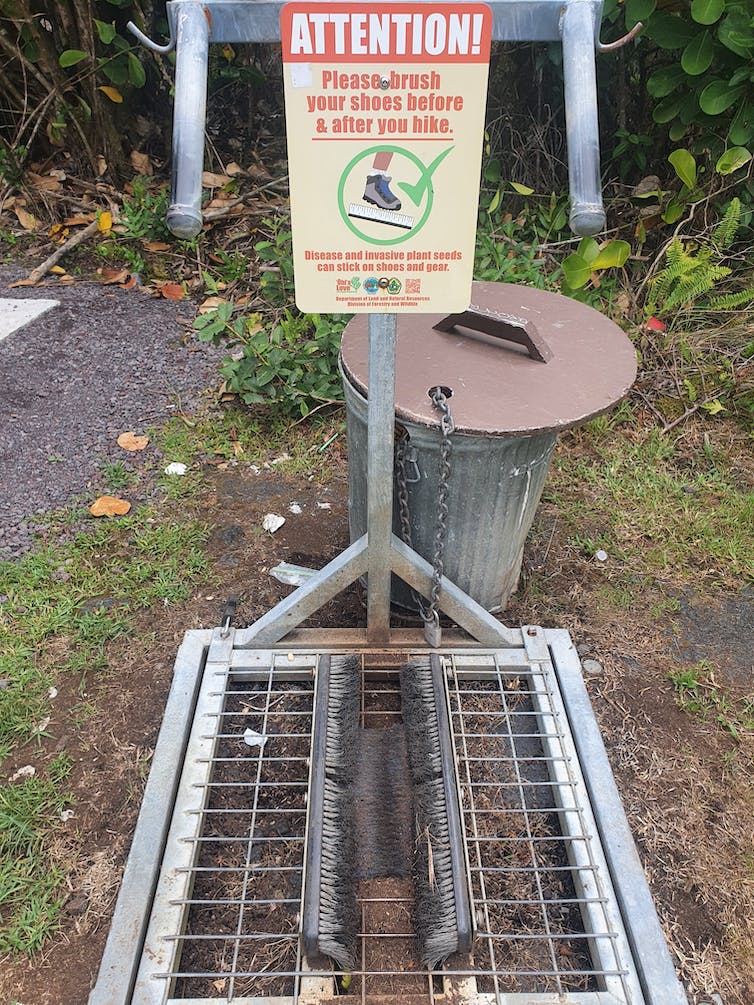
x: 698, y: 693
x: 239, y: 434
x: 73, y: 599
x: 657, y: 510
x: 30, y: 880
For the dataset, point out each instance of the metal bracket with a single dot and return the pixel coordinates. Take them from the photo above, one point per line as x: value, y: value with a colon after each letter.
x: 147, y: 41
x: 620, y: 42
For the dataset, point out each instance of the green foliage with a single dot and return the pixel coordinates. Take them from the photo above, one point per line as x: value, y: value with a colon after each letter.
x: 699, y: 694
x: 291, y: 363
x: 703, y: 80
x: 280, y: 357
x: 693, y: 270
x: 589, y: 258
x: 143, y: 214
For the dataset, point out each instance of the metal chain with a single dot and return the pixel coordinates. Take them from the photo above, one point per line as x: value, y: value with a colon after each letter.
x: 430, y: 615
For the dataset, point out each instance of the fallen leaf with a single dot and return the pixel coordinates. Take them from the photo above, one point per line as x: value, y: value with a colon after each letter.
x: 210, y: 180
x: 57, y: 173
x: 113, y: 275
x: 109, y: 506
x: 132, y: 441
x: 220, y: 984
x: 101, y: 165
x: 77, y: 221
x: 58, y: 270
x: 105, y: 221
x: 141, y: 163
x: 233, y: 169
x: 211, y: 304
x: 172, y: 291
x: 65, y: 278
x: 27, y: 221
x: 655, y: 325
x: 112, y: 93
x: 129, y: 283
x: 23, y: 282
x: 155, y: 246
x: 43, y: 183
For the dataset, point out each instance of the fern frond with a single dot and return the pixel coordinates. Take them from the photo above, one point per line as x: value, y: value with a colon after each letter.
x: 690, y: 287
x: 730, y: 300
x: 725, y: 232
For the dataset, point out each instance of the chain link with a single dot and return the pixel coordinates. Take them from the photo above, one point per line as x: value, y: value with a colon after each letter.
x: 431, y: 614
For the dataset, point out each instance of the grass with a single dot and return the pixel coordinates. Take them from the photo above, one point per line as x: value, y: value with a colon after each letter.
x: 240, y: 435
x: 76, y: 598
x: 31, y: 892
x: 656, y: 508
x: 698, y: 693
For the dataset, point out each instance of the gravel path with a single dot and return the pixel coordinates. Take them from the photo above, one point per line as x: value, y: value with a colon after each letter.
x: 105, y: 361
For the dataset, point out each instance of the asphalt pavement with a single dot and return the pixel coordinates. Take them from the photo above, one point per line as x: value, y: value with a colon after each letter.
x: 102, y: 362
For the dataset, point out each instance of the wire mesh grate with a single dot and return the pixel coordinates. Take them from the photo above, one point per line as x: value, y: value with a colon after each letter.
x: 227, y: 908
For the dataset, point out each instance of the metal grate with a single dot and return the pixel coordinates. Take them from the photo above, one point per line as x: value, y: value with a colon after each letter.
x: 225, y: 920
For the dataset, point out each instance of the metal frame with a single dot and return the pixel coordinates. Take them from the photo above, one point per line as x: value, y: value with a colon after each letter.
x: 609, y: 882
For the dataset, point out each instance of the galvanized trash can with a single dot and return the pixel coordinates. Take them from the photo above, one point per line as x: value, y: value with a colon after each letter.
x: 520, y: 366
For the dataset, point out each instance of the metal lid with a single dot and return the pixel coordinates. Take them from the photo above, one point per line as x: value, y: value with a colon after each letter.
x: 537, y: 362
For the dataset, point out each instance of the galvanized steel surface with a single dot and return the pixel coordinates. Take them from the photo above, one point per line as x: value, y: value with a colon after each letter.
x: 494, y: 490
x: 497, y: 389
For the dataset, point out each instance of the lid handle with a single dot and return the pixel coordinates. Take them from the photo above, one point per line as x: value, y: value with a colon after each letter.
x: 499, y: 325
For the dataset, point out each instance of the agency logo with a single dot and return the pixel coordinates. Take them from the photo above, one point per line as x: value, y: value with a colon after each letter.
x: 371, y: 285
x: 394, y: 286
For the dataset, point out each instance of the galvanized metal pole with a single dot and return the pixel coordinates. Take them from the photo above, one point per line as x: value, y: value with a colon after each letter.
x: 580, y: 18
x: 381, y: 422
x: 192, y: 52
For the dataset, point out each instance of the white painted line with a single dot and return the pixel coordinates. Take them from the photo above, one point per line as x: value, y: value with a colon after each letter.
x: 14, y: 314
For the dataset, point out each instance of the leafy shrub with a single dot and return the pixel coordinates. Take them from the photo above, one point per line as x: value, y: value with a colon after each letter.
x: 702, y: 78
x: 290, y: 363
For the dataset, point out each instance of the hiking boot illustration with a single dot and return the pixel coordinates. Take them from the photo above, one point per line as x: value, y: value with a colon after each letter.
x: 378, y: 192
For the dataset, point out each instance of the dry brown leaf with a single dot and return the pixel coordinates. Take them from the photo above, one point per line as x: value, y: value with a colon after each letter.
x: 27, y: 221
x: 43, y: 183
x: 211, y: 304
x: 77, y: 221
x: 101, y: 165
x: 132, y: 441
x: 109, y: 506
x: 233, y: 169
x: 66, y: 278
x: 23, y: 282
x: 172, y: 291
x: 210, y: 180
x: 155, y: 246
x: 129, y: 284
x: 110, y: 276
x: 141, y: 163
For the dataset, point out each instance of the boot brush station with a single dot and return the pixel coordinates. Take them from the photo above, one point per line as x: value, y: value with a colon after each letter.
x: 380, y: 814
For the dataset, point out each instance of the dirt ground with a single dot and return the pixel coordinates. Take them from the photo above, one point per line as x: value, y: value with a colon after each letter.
x: 686, y: 785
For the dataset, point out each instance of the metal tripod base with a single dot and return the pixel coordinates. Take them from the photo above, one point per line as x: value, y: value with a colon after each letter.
x: 346, y: 569
x: 379, y: 553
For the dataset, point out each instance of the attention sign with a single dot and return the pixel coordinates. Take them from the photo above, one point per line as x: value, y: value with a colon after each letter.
x: 385, y: 121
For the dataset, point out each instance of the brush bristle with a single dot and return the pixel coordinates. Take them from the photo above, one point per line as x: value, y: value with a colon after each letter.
x: 435, y: 918
x: 338, y: 912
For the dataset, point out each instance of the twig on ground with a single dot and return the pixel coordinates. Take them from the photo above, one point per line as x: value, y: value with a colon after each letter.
x: 73, y: 242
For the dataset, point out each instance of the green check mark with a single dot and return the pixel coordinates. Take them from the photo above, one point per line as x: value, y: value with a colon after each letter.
x: 416, y: 192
